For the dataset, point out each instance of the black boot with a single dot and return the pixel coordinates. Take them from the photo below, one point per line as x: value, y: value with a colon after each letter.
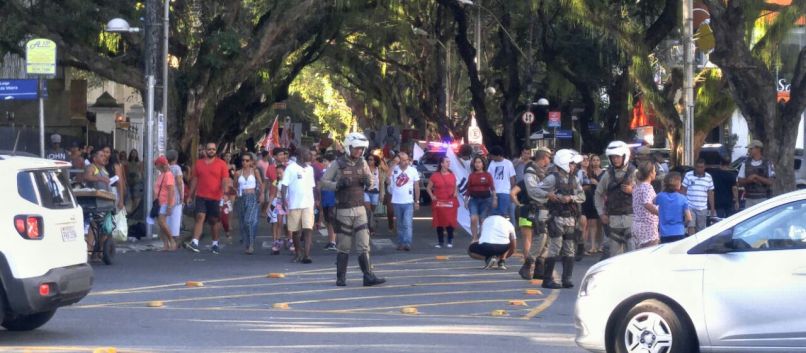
x: 548, y: 274
x: 369, y: 278
x: 580, y: 252
x: 526, y: 269
x: 568, y: 271
x: 341, y: 269
x: 540, y: 267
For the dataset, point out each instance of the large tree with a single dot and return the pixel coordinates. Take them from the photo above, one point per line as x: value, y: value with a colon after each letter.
x: 747, y: 54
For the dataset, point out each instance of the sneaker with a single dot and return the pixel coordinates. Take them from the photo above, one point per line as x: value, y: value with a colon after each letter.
x: 250, y: 250
x: 492, y: 262
x: 292, y: 248
x: 501, y: 265
x: 192, y: 246
x: 438, y: 246
x: 407, y: 248
x: 450, y: 245
x: 331, y: 247
x: 215, y: 249
x: 307, y: 260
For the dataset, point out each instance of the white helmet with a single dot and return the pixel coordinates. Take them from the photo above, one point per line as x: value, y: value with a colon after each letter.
x: 356, y: 140
x: 563, y: 159
x: 618, y: 148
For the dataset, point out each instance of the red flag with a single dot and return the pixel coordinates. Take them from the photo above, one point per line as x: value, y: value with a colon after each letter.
x: 271, y: 139
x: 285, y: 138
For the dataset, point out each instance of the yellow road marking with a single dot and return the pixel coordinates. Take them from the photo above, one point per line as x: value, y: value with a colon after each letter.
x: 555, y: 293
x: 396, y: 296
x: 426, y: 305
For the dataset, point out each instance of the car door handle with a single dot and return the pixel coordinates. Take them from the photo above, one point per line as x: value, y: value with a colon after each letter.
x: 799, y: 271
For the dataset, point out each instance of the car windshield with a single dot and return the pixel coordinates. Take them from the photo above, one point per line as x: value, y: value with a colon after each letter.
x: 768, y: 229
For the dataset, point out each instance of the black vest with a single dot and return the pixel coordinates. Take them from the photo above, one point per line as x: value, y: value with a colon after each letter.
x: 565, y: 187
x: 353, y: 194
x: 757, y: 190
x: 619, y: 202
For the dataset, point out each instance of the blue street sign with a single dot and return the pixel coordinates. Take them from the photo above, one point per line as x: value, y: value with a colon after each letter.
x: 565, y: 134
x: 17, y: 90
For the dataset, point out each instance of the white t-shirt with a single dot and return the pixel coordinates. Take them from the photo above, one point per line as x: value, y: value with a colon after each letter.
x: 300, y: 184
x: 502, y: 172
x: 496, y: 230
x: 401, y: 184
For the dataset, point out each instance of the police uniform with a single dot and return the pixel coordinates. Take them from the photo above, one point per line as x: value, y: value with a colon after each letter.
x: 562, y: 225
x: 349, y: 179
x: 610, y: 200
x: 532, y: 176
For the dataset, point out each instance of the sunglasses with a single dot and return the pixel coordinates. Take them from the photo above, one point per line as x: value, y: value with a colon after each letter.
x: 246, y: 160
x: 211, y: 149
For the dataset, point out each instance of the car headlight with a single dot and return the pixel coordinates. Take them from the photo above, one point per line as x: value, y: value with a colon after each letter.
x: 589, y: 283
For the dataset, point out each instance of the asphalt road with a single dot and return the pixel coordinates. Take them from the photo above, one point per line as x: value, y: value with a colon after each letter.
x: 235, y: 309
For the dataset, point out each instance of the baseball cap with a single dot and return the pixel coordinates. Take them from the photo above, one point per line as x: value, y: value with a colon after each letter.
x: 161, y: 160
x: 755, y: 144
x: 55, y: 138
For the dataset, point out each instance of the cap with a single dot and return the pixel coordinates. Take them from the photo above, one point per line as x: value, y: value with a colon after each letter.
x: 161, y: 160
x: 55, y: 138
x: 755, y: 143
x: 544, y: 149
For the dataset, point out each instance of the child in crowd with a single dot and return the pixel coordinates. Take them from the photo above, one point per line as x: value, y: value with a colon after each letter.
x: 645, y: 219
x: 673, y: 209
x: 276, y: 214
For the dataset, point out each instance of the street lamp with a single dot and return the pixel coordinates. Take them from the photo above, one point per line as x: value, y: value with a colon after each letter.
x: 119, y: 25
x: 541, y: 104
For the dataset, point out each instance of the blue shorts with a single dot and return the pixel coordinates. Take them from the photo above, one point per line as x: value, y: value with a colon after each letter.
x: 480, y: 206
x: 372, y: 198
x: 504, y: 205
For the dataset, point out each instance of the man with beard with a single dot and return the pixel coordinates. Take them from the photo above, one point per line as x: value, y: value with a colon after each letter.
x: 209, y: 183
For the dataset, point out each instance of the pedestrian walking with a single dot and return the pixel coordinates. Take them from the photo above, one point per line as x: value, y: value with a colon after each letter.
x: 277, y: 214
x: 372, y: 197
x: 756, y: 175
x: 208, y: 186
x: 348, y: 178
x: 563, y: 195
x: 249, y: 184
x: 174, y: 219
x: 520, y: 164
x: 645, y: 220
x: 442, y: 189
x: 496, y: 243
x: 297, y: 193
x: 673, y: 212
x: 593, y: 234
x: 503, y: 173
x: 613, y: 200
x: 726, y: 194
x: 165, y: 195
x: 327, y: 213
x: 480, y: 197
x: 698, y: 186
x: 390, y: 210
x: 405, y: 188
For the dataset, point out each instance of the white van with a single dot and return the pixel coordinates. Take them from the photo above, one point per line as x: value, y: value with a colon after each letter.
x: 43, y: 255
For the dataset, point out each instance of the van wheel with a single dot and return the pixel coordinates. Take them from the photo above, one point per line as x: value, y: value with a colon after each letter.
x: 27, y: 322
x: 109, y: 250
x: 652, y: 326
x: 2, y: 303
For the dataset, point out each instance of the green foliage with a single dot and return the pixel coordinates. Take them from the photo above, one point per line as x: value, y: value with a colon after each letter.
x: 314, y: 86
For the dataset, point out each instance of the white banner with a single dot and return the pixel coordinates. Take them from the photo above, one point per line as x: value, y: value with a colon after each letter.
x: 417, y: 152
x: 461, y: 175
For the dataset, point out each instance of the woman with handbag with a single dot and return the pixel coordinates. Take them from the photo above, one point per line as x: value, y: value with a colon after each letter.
x: 442, y: 189
x: 164, y: 200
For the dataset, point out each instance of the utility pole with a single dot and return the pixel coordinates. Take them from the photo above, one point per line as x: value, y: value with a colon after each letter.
x: 165, y: 37
x: 688, y: 82
x: 478, y: 36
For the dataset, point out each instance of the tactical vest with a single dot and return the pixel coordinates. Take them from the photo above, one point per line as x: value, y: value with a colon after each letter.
x: 353, y: 194
x: 619, y: 202
x: 757, y: 190
x: 523, y: 195
x: 565, y: 187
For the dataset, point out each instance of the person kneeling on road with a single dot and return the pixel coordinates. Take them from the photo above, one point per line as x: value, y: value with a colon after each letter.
x: 496, y: 243
x: 564, y: 195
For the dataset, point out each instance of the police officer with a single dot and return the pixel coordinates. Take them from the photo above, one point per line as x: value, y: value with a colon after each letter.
x: 756, y: 174
x: 534, y: 249
x: 613, y: 200
x: 564, y: 197
x: 349, y: 178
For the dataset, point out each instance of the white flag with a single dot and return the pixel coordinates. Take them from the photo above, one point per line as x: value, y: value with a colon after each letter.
x: 417, y: 152
x: 461, y: 175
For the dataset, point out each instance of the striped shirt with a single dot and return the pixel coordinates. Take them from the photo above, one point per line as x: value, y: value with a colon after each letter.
x: 697, y: 189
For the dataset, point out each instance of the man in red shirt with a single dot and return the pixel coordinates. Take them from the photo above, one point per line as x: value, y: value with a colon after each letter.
x: 208, y: 185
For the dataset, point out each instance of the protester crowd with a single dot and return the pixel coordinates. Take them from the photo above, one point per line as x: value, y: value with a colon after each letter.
x: 562, y: 205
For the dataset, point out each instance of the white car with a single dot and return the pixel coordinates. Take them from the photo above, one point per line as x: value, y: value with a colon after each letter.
x: 43, y: 255
x: 737, y: 286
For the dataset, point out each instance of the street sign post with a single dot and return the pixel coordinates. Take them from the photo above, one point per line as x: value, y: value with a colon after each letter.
x: 528, y: 118
x: 555, y: 121
x: 18, y: 90
x: 473, y: 132
x: 40, y: 60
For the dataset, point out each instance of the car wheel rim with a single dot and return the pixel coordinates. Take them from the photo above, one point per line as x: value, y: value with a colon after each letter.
x: 648, y: 333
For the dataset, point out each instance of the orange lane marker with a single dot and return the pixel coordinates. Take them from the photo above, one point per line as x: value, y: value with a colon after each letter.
x: 442, y: 258
x: 533, y: 292
x: 517, y: 303
x: 409, y: 310
x: 283, y: 306
x: 536, y: 282
x: 276, y: 275
x: 194, y: 284
x: 498, y: 313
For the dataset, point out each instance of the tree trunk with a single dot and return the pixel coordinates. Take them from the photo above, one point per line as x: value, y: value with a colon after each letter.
x: 510, y: 85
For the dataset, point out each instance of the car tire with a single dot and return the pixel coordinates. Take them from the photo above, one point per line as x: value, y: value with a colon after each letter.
x: 109, y: 251
x: 653, y: 326
x: 27, y: 322
x: 2, y: 303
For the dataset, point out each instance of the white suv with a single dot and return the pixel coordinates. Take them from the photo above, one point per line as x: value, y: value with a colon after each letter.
x: 43, y: 255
